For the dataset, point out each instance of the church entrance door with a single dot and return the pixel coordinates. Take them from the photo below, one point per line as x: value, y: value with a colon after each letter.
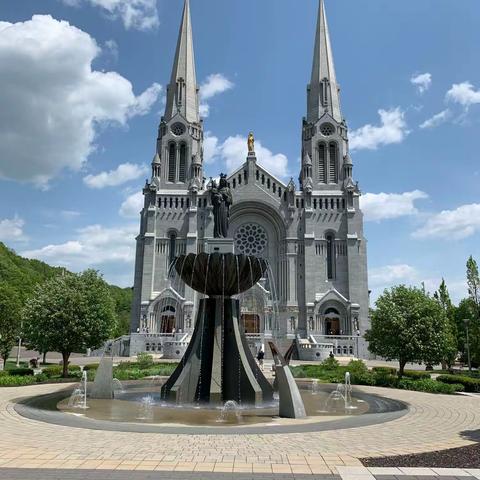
x: 167, y: 324
x: 332, y: 326
x: 251, y: 322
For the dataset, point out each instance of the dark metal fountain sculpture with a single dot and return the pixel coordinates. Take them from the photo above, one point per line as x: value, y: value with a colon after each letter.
x: 218, y: 365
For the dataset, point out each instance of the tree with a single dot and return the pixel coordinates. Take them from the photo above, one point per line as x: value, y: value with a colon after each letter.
x: 443, y: 298
x: 10, y: 308
x: 69, y: 314
x: 473, y: 282
x: 409, y: 326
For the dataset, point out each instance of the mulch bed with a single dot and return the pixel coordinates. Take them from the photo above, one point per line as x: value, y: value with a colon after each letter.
x: 463, y: 457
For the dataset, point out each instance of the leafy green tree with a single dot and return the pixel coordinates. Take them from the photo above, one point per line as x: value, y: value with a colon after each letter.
x: 10, y: 320
x: 443, y: 298
x: 473, y: 282
x: 69, y: 313
x: 409, y: 326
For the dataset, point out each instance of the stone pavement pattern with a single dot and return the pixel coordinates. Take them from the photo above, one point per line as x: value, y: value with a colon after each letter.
x: 434, y: 422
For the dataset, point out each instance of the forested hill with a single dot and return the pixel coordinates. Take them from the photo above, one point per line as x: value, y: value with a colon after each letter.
x: 22, y: 274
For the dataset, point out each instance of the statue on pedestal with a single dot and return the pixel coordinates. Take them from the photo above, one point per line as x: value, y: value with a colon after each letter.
x: 221, y: 197
x: 251, y: 143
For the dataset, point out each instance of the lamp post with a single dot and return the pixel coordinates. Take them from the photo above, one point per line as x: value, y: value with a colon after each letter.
x: 358, y: 339
x: 467, y: 322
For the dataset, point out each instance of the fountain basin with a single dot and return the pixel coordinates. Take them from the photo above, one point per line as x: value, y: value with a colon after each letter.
x: 223, y: 274
x: 130, y: 413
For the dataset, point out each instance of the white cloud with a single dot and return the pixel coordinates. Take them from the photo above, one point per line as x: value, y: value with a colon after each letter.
x: 111, y: 48
x: 460, y: 223
x: 393, y: 129
x: 383, y: 206
x: 389, y: 275
x: 215, y: 84
x: 52, y: 101
x: 132, y: 205
x: 464, y: 94
x: 233, y: 152
x: 94, y: 245
x: 135, y: 14
x: 422, y: 81
x: 122, y: 174
x: 11, y: 229
x: 437, y: 119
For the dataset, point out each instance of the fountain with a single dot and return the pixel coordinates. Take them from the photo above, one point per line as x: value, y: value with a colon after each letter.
x: 230, y: 413
x: 218, y: 365
x: 342, y: 393
x: 78, y: 398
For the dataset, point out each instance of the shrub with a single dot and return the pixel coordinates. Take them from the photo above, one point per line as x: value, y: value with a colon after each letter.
x: 57, y: 370
x: 357, y: 367
x: 469, y: 383
x: 16, y: 381
x: 385, y: 370
x: 416, y: 374
x: 135, y: 373
x: 20, y: 372
x: 144, y: 360
x: 41, y: 377
x: 330, y: 363
x: 428, y: 385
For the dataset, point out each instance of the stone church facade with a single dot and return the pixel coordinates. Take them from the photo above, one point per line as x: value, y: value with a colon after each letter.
x: 310, y: 232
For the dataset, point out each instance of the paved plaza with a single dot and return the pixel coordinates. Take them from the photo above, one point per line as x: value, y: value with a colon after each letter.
x: 433, y: 422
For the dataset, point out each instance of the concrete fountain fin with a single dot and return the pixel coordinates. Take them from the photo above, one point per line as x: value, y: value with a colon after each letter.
x: 291, y: 403
x: 102, y: 388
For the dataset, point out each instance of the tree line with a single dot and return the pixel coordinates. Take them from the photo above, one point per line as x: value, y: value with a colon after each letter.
x: 410, y: 325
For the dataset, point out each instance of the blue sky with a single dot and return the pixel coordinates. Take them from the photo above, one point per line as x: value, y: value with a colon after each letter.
x: 85, y: 97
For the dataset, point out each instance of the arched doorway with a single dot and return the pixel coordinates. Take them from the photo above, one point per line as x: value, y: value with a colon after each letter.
x: 332, y: 322
x: 251, y: 321
x: 167, y: 319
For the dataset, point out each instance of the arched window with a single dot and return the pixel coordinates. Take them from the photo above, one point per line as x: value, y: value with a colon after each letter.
x: 322, y: 163
x: 330, y: 256
x: 183, y: 163
x: 172, y: 164
x: 173, y: 247
x: 332, y: 167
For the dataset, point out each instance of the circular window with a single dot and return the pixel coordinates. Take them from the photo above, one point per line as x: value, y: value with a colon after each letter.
x: 178, y: 129
x: 327, y: 129
x: 250, y: 239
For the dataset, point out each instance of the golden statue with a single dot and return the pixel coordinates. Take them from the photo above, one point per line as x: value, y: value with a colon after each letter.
x: 251, y: 143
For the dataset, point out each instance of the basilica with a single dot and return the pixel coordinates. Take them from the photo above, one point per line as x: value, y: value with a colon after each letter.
x: 310, y: 231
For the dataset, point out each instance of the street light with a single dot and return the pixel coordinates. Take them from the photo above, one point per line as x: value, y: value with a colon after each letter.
x: 467, y: 321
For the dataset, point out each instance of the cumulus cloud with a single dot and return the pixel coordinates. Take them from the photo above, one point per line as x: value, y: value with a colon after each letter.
x: 233, y: 152
x: 460, y: 223
x: 393, y: 129
x: 437, y: 119
x: 463, y: 94
x: 384, y: 206
x: 215, y: 84
x: 389, y: 275
x: 422, y: 81
x: 122, y: 174
x: 52, y: 101
x: 93, y: 246
x: 135, y: 14
x: 11, y: 229
x: 132, y: 205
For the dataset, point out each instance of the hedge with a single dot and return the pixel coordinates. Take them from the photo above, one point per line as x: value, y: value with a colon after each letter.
x: 91, y: 366
x: 470, y: 384
x: 417, y: 374
x: 385, y: 370
x: 16, y: 381
x: 20, y: 372
x: 57, y: 370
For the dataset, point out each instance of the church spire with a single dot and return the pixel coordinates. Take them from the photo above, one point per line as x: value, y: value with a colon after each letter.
x: 182, y: 92
x: 323, y: 91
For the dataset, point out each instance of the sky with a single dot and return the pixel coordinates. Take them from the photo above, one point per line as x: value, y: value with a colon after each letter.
x: 82, y: 90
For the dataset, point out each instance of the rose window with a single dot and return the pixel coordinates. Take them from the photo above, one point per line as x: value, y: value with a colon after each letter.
x: 250, y: 239
x: 178, y: 129
x: 327, y: 129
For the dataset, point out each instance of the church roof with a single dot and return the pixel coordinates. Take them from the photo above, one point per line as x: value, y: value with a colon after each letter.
x: 323, y: 74
x: 182, y: 95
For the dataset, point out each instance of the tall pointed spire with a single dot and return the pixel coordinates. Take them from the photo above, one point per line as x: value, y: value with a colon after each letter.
x: 182, y: 95
x: 323, y: 91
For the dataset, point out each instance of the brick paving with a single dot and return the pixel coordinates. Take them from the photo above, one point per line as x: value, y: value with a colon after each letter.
x: 433, y: 422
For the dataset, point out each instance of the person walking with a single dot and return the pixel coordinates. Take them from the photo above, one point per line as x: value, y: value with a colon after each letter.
x: 260, y: 358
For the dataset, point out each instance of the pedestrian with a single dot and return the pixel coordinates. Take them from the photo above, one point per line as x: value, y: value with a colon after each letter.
x: 260, y: 358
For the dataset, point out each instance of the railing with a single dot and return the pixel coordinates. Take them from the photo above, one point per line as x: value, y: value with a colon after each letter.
x: 343, y: 345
